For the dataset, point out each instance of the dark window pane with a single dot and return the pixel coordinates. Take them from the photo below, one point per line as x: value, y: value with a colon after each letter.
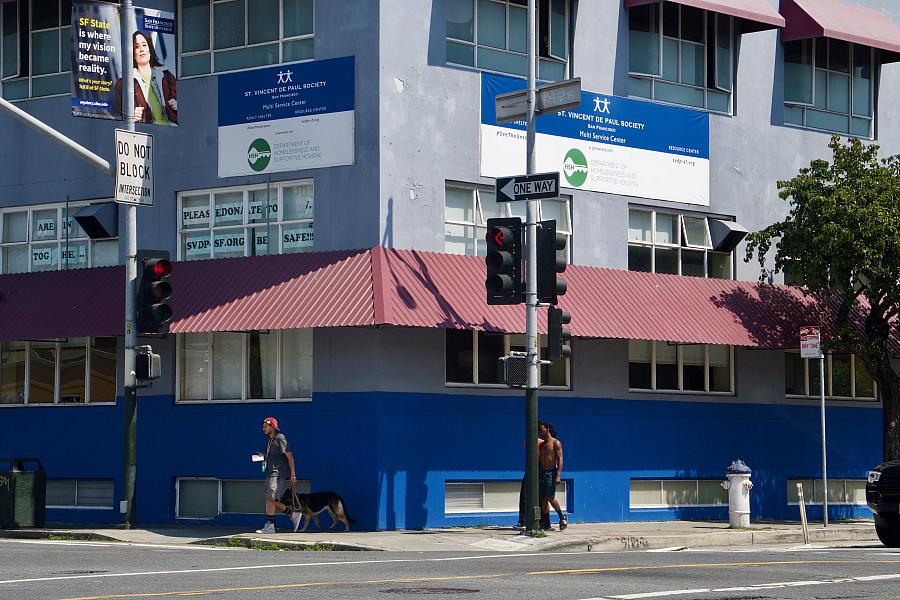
x: 814, y: 383
x: 821, y: 52
x: 639, y: 376
x: 693, y: 360
x: 194, y: 25
x: 692, y: 263
x: 103, y: 369
x: 639, y: 259
x: 667, y: 261
x: 459, y: 356
x: 865, y: 387
x: 670, y: 19
x: 692, y: 24
x: 839, y: 56
x: 490, y: 348
x: 45, y: 14
x: 794, y: 374
x: 840, y: 374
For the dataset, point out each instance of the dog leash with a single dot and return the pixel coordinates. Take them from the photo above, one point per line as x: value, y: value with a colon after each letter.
x: 294, y: 498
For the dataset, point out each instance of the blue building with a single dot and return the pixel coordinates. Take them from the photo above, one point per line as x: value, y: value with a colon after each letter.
x: 324, y: 197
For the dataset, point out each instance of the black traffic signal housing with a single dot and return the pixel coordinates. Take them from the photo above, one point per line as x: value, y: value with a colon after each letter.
x: 558, y: 337
x: 153, y: 311
x: 505, y: 282
x: 551, y: 260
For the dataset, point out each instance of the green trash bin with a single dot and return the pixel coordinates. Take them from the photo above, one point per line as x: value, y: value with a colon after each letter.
x: 23, y: 493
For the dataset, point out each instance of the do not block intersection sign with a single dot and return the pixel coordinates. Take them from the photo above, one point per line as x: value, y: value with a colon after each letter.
x: 134, y: 168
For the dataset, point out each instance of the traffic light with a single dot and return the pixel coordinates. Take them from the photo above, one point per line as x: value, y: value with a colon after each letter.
x: 551, y: 259
x: 558, y: 337
x: 505, y: 284
x: 153, y: 292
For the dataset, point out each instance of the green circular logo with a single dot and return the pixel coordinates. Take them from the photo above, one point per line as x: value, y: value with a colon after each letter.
x: 575, y: 167
x: 259, y: 154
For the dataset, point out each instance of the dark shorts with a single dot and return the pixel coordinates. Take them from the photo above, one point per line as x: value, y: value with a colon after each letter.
x: 547, y: 483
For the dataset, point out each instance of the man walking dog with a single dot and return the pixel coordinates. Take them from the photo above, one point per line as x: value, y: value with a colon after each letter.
x: 278, y: 461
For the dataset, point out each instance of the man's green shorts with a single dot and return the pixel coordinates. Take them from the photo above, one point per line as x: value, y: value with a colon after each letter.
x: 547, y: 483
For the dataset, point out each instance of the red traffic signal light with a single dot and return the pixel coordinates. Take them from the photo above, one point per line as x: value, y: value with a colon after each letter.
x: 153, y: 311
x: 504, y: 282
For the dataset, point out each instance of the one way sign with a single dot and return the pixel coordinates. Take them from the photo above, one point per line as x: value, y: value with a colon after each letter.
x: 528, y: 187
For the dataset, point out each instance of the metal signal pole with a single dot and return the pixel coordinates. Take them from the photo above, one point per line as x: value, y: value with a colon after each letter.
x: 532, y: 510
x: 126, y: 506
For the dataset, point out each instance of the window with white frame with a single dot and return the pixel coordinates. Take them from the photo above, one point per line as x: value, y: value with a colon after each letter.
x: 240, y: 221
x: 830, y: 85
x: 467, y: 209
x: 845, y: 377
x: 208, y: 497
x: 79, y: 493
x: 47, y: 238
x: 660, y: 242
x: 681, y: 55
x: 251, y: 366
x: 229, y: 35
x: 700, y: 368
x: 72, y: 371
x: 493, y: 35
x: 472, y: 359
x: 35, y: 48
x: 840, y: 491
x: 676, y: 493
x: 466, y: 497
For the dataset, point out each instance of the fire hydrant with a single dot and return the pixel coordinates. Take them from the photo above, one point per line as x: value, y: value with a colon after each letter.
x: 738, y: 486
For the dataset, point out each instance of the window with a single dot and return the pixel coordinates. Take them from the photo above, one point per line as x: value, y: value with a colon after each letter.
x: 675, y: 493
x: 681, y: 55
x: 677, y: 244
x: 47, y: 238
x: 72, y: 371
x: 830, y: 85
x: 79, y: 493
x: 488, y: 496
x: 35, y: 48
x: 840, y: 491
x: 228, y: 366
x: 845, y: 377
x: 466, y: 211
x: 228, y: 35
x: 472, y: 359
x: 662, y: 366
x: 493, y: 35
x: 244, y: 219
x: 207, y: 498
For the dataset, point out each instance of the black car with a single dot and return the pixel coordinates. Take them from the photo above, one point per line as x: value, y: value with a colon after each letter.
x: 883, y: 497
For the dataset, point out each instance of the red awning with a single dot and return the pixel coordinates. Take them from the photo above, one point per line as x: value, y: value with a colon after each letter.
x: 841, y: 21
x: 757, y: 14
x: 62, y: 304
x: 407, y: 288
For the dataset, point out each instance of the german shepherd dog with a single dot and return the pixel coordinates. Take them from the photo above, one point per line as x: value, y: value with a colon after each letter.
x: 311, y: 505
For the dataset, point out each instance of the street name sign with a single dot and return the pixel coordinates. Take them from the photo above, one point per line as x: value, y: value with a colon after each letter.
x: 810, y: 339
x: 549, y: 98
x: 539, y: 186
x: 134, y: 168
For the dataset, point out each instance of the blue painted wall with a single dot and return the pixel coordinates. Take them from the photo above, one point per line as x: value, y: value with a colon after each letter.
x: 389, y: 454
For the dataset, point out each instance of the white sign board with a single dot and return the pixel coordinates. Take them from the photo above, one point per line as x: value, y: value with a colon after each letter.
x: 810, y: 342
x: 134, y: 168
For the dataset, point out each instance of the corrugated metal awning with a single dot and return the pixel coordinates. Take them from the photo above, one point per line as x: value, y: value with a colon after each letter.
x: 756, y: 14
x: 841, y: 21
x: 407, y: 288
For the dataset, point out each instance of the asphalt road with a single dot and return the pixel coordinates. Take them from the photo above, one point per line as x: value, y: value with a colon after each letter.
x: 48, y: 569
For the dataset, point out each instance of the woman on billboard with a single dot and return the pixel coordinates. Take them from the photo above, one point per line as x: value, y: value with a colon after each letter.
x: 155, y: 98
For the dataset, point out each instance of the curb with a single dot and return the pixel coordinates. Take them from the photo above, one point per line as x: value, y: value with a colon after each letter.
x: 44, y: 534
x: 249, y: 541
x: 725, y: 538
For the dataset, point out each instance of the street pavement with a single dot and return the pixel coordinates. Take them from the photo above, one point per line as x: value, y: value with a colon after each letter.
x: 618, y: 536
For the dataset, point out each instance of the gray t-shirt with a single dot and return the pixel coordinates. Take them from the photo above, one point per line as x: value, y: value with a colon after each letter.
x: 276, y: 461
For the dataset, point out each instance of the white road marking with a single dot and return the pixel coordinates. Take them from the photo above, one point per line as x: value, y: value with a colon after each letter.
x: 115, y: 544
x: 751, y: 588
x: 291, y: 565
x: 669, y: 549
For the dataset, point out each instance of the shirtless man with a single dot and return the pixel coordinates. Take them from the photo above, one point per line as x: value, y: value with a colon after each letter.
x: 550, y: 461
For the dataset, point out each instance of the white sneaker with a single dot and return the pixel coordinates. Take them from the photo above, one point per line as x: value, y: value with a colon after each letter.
x: 295, y: 519
x: 267, y: 528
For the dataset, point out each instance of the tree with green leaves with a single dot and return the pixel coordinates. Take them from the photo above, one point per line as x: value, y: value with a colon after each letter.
x: 841, y: 241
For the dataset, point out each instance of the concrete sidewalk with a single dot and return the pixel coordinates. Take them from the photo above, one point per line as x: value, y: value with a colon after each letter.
x: 578, y: 537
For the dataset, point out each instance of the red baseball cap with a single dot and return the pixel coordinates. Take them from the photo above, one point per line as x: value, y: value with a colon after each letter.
x: 271, y: 421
